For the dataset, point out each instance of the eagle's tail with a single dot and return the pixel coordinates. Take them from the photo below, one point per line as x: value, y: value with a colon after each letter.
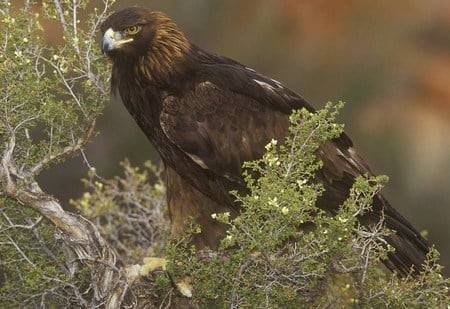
x: 411, y: 248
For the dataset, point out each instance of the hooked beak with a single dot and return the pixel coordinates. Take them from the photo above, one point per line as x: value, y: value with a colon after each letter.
x: 112, y: 40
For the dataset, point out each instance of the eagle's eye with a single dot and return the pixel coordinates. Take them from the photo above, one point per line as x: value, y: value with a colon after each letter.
x: 132, y: 30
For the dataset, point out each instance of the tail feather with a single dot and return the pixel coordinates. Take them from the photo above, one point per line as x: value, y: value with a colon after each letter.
x: 411, y: 248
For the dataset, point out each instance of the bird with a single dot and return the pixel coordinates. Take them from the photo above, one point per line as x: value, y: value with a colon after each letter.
x: 207, y: 114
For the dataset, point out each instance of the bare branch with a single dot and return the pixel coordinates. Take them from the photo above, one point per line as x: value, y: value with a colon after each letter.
x: 12, y: 242
x: 67, y: 151
x: 30, y: 226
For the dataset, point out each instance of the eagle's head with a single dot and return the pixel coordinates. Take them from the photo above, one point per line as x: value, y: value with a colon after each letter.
x: 145, y: 39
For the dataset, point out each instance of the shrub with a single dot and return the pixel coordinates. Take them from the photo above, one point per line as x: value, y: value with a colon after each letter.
x: 281, y: 251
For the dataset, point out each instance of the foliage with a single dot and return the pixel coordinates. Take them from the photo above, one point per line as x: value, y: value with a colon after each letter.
x: 50, y: 95
x: 280, y: 252
x: 50, y: 98
x: 129, y: 211
x: 32, y: 267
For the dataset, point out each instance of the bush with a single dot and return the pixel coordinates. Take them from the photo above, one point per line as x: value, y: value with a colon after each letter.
x: 280, y: 252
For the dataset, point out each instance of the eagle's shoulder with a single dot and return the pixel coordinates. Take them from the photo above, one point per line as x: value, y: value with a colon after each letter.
x: 231, y: 75
x: 220, y: 129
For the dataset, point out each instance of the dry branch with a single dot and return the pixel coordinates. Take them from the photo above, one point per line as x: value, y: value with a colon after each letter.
x: 81, y: 238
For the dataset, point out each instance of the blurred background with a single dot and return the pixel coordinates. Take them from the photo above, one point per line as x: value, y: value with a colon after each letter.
x: 390, y: 61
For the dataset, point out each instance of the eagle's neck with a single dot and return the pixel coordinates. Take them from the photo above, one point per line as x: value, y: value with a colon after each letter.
x: 168, y: 55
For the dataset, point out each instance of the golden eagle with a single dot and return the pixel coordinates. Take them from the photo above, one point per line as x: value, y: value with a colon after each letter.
x: 206, y: 114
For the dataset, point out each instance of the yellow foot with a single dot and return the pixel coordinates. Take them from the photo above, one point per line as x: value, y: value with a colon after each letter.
x: 185, y: 286
x: 151, y: 264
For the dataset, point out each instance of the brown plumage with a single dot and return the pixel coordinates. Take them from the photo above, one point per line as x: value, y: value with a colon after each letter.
x: 207, y: 114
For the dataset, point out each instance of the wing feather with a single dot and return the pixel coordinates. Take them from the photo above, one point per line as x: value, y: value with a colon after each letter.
x: 220, y: 129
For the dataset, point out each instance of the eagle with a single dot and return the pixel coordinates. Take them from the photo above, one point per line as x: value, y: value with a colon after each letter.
x: 207, y: 114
